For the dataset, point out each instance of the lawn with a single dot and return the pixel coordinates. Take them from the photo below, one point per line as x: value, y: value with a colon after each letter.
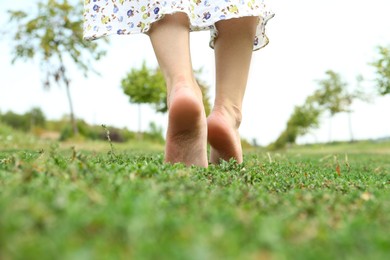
x: 59, y: 202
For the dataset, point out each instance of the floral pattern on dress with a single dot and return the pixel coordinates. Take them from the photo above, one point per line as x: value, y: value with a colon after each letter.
x: 107, y: 17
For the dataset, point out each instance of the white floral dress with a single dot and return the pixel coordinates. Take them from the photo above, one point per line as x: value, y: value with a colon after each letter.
x: 107, y: 17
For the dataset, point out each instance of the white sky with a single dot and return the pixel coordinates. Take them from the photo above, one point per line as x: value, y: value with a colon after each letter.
x: 306, y: 38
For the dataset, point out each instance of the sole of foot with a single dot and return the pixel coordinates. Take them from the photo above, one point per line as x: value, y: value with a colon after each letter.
x: 186, y: 140
x: 224, y: 139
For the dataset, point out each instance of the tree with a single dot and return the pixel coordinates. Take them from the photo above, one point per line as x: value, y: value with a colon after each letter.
x: 304, y: 118
x: 53, y: 34
x: 333, y: 95
x: 382, y: 67
x: 147, y: 86
x: 37, y: 118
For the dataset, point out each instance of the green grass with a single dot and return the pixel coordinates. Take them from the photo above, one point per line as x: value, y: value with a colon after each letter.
x: 63, y: 203
x: 366, y: 147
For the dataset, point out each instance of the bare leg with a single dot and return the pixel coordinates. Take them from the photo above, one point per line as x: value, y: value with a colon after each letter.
x: 233, y: 52
x: 186, y: 139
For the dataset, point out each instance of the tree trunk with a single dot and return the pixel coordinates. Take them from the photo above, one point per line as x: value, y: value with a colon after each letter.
x: 314, y: 137
x: 72, y: 117
x: 139, y: 136
x: 330, y: 129
x: 350, y: 126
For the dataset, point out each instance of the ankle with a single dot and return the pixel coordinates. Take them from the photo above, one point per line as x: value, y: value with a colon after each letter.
x: 183, y: 83
x: 180, y: 80
x: 231, y: 113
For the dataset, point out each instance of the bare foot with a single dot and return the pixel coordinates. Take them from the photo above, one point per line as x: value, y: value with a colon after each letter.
x: 223, y: 137
x: 187, y: 129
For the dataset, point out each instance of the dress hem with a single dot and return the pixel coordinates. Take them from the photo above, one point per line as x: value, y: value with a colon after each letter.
x: 260, y: 41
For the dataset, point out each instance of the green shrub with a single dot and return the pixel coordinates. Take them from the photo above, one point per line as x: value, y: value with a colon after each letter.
x: 96, y: 132
x: 155, y: 133
x: 24, y: 122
